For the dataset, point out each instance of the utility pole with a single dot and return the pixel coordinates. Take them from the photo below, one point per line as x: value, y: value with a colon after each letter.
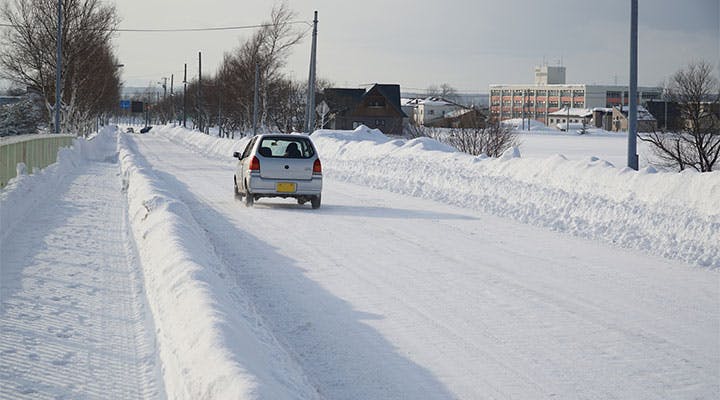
x: 632, y: 156
x: 255, y: 97
x: 567, y: 122
x: 199, y: 94
x: 310, y: 112
x: 523, y: 110
x: 185, y: 97
x: 172, y: 98
x: 164, y: 86
x: 58, y: 68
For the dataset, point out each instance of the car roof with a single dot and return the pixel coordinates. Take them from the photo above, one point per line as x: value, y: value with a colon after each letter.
x: 281, y: 136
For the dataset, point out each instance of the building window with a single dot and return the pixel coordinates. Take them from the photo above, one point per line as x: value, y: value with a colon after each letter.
x: 552, y: 103
x: 579, y: 93
x: 542, y: 92
x: 553, y: 92
x: 565, y: 93
x: 376, y: 103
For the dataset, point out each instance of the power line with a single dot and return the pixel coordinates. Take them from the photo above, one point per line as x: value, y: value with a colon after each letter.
x: 175, y: 30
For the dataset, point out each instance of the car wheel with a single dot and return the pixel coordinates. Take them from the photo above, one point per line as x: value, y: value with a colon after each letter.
x: 315, y: 202
x: 237, y: 191
x: 249, y: 199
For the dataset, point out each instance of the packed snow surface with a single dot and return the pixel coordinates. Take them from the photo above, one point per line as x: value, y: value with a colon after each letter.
x: 427, y: 273
x: 74, y: 321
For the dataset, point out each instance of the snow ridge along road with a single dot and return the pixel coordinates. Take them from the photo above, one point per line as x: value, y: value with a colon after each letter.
x: 382, y: 295
x: 674, y: 215
x: 73, y: 315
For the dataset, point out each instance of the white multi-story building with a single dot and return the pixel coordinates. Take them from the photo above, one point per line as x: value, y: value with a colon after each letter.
x: 550, y: 93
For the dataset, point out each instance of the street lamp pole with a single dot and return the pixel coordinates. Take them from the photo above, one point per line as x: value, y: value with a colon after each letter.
x: 632, y: 157
x: 310, y: 111
x: 58, y: 67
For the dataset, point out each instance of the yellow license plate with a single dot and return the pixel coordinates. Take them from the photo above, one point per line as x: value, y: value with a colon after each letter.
x: 285, y: 187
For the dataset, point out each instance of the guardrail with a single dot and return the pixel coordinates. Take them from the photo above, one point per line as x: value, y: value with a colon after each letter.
x: 35, y: 151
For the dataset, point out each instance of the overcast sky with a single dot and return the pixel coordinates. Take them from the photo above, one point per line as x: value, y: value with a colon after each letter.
x: 416, y: 43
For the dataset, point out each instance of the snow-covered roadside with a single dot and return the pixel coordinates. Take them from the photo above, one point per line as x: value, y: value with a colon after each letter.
x: 211, y: 342
x: 74, y: 321
x: 23, y: 192
x: 674, y: 215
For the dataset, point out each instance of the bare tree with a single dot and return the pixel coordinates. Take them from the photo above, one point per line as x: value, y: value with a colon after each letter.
x: 697, y: 143
x: 445, y: 91
x: 492, y: 140
x: 28, y: 55
x: 267, y: 49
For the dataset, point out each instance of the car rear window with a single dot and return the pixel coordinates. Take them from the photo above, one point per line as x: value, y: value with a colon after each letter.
x: 291, y: 147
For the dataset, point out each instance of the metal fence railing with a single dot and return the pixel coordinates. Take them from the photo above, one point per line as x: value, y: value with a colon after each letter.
x: 35, y: 151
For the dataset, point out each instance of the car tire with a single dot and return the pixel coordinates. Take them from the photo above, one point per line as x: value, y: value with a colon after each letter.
x: 249, y: 199
x: 315, y: 202
x: 235, y: 187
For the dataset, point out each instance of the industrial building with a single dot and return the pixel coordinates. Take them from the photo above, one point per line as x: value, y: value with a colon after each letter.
x: 550, y: 93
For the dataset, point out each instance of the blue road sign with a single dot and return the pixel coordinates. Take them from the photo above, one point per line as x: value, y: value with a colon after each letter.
x: 125, y: 104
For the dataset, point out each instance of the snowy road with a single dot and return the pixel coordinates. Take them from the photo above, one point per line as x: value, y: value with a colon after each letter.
x: 73, y: 321
x: 379, y: 295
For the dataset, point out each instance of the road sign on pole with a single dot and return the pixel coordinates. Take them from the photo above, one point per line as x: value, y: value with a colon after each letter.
x: 322, y: 110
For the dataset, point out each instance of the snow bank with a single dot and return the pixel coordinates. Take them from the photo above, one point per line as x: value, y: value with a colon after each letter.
x: 211, y: 342
x: 668, y: 214
x: 674, y: 215
x: 24, y: 192
x: 528, y: 124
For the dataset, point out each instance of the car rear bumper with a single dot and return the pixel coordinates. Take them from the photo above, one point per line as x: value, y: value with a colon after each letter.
x: 268, y: 187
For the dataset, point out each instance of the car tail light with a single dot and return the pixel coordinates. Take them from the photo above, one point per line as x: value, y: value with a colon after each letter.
x: 317, y: 167
x: 254, y: 164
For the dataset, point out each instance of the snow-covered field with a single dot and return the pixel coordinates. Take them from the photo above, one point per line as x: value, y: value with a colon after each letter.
x: 427, y: 273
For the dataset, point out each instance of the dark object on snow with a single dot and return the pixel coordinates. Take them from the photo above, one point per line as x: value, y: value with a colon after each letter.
x: 130, y: 130
x: 145, y: 129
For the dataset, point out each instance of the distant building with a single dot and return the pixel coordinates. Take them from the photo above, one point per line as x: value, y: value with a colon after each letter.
x: 667, y: 114
x: 645, y: 121
x: 461, y: 118
x: 560, y: 118
x: 377, y: 108
x: 431, y: 110
x: 550, y: 93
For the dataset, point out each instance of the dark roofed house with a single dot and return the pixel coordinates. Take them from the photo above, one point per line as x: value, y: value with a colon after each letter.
x: 377, y: 108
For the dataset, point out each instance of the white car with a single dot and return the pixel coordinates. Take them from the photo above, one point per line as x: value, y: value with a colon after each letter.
x: 279, y: 165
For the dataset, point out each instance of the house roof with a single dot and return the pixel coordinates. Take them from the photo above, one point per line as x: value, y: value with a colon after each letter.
x: 392, y: 93
x: 642, y: 113
x: 345, y: 99
x: 342, y: 99
x: 575, y: 112
x: 458, y: 113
